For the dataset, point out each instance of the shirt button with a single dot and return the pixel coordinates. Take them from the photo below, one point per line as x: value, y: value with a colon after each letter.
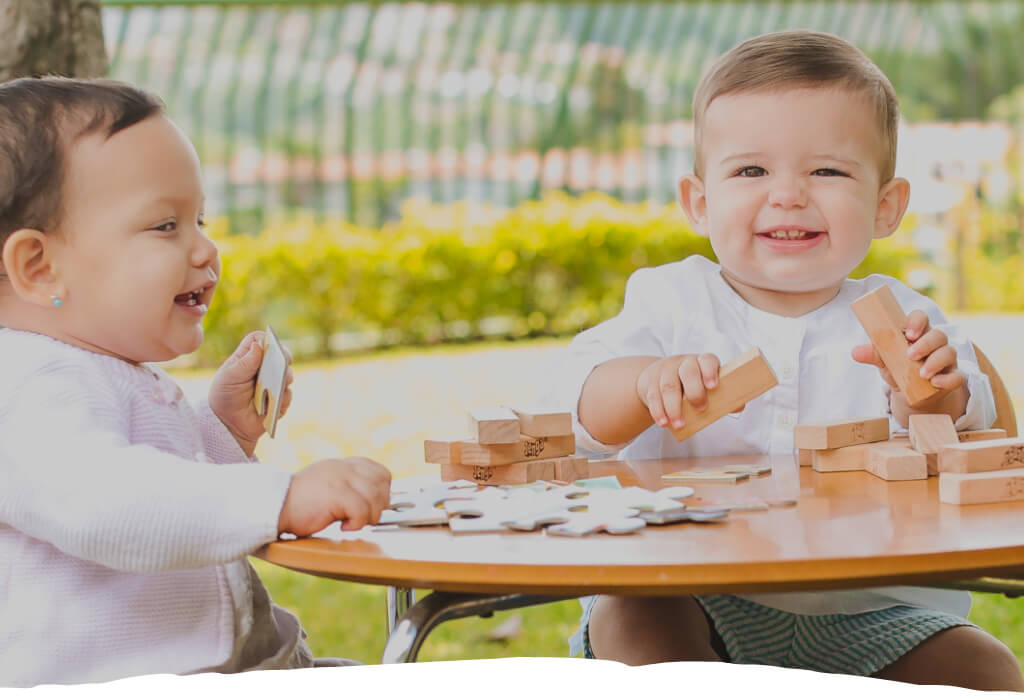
x: 788, y: 372
x: 785, y: 419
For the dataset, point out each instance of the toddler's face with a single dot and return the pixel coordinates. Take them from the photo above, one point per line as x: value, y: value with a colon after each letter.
x: 138, y: 270
x: 791, y: 196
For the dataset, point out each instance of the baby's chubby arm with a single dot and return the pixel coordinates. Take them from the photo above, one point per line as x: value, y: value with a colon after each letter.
x: 622, y: 397
x: 931, y: 346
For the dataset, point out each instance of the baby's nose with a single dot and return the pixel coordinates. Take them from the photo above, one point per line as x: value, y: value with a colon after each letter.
x: 787, y: 192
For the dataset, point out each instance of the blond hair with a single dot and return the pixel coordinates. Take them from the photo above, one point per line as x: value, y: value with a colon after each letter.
x: 799, y: 59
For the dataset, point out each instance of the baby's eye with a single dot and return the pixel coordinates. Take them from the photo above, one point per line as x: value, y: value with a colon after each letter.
x: 165, y: 227
x: 201, y: 222
x: 751, y: 171
x: 829, y: 172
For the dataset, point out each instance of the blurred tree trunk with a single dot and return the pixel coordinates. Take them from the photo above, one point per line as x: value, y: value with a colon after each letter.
x: 51, y: 37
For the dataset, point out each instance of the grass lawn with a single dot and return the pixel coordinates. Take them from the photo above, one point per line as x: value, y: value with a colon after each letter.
x: 383, y: 406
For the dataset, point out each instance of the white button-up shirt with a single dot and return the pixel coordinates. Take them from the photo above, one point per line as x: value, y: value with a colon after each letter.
x: 687, y: 307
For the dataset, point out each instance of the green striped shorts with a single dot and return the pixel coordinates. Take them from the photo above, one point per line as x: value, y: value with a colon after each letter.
x: 858, y: 644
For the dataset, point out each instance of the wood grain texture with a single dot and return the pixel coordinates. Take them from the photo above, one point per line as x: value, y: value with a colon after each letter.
x: 829, y: 436
x: 891, y: 532
x: 538, y: 423
x: 885, y: 322
x: 929, y: 433
x: 739, y: 381
x: 989, y: 487
x: 494, y: 426
x: 895, y: 463
x: 982, y: 456
x: 474, y: 453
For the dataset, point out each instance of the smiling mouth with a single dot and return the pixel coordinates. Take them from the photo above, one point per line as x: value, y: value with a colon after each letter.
x: 793, y: 235
x: 189, y: 298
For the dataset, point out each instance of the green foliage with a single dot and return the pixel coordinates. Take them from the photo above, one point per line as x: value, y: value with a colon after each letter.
x: 453, y: 272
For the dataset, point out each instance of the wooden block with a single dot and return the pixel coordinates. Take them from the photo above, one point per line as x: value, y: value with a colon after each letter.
x: 572, y: 468
x: 501, y: 474
x: 928, y: 433
x: 840, y: 459
x: 740, y: 381
x: 885, y: 322
x: 975, y: 435
x: 494, y: 426
x: 474, y: 453
x: 982, y: 456
x: 894, y: 463
x: 828, y: 436
x: 988, y: 487
x: 537, y: 423
x: 442, y: 451
x: 805, y: 458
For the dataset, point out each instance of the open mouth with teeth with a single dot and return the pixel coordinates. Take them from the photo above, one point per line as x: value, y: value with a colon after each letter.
x: 791, y: 235
x: 193, y: 298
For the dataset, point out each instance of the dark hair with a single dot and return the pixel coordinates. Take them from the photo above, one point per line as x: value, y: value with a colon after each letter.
x: 793, y: 59
x: 40, y: 118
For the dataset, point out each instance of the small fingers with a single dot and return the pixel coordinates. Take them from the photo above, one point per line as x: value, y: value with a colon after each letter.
x: 709, y: 368
x: 917, y: 325
x: 948, y: 380
x: 670, y: 391
x: 927, y: 344
x: 942, y: 359
x: 692, y: 378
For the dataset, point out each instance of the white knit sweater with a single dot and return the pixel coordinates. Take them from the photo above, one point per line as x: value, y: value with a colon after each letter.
x: 125, y: 519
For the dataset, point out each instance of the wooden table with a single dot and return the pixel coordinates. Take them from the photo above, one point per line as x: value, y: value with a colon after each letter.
x: 847, y: 530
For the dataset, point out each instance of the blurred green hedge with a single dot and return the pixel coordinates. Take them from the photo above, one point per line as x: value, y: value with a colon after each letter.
x: 452, y: 272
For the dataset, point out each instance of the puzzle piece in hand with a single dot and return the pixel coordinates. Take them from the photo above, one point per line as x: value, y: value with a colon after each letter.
x: 425, y: 507
x: 270, y: 381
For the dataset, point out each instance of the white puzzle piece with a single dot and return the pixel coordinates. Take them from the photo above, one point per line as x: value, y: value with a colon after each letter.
x: 270, y: 381
x: 426, y: 506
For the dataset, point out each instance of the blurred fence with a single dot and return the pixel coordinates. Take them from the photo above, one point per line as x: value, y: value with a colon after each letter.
x: 346, y: 109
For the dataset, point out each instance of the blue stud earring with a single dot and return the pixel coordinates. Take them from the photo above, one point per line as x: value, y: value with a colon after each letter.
x: 56, y: 300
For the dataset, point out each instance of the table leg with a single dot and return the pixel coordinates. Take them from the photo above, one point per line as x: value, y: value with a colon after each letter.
x: 404, y: 643
x: 399, y: 600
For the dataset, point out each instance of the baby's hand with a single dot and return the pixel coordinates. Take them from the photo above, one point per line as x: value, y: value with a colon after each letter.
x: 232, y: 388
x: 927, y: 344
x: 353, y: 490
x: 663, y: 385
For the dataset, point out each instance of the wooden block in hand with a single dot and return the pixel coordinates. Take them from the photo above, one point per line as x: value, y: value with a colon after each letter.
x: 494, y: 426
x: 828, y: 436
x: 840, y: 459
x: 976, y: 435
x: 982, y: 456
x: 739, y: 381
x: 472, y: 452
x: 501, y: 474
x: 537, y: 423
x: 894, y: 463
x: 929, y: 433
x: 885, y: 323
x: 805, y: 458
x: 986, y: 487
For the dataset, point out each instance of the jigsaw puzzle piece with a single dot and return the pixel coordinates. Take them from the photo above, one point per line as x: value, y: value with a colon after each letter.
x: 424, y: 507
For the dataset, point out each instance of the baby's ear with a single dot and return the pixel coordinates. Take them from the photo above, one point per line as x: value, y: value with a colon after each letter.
x: 694, y: 203
x: 28, y: 264
x: 892, y: 205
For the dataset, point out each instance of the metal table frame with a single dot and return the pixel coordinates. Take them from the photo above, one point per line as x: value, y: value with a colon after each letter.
x: 409, y: 622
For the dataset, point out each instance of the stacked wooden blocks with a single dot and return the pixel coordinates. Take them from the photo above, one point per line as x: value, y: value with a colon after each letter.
x: 982, y: 471
x: 865, y: 444
x: 510, y: 446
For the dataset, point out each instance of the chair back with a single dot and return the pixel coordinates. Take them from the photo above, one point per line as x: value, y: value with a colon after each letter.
x: 1006, y: 418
